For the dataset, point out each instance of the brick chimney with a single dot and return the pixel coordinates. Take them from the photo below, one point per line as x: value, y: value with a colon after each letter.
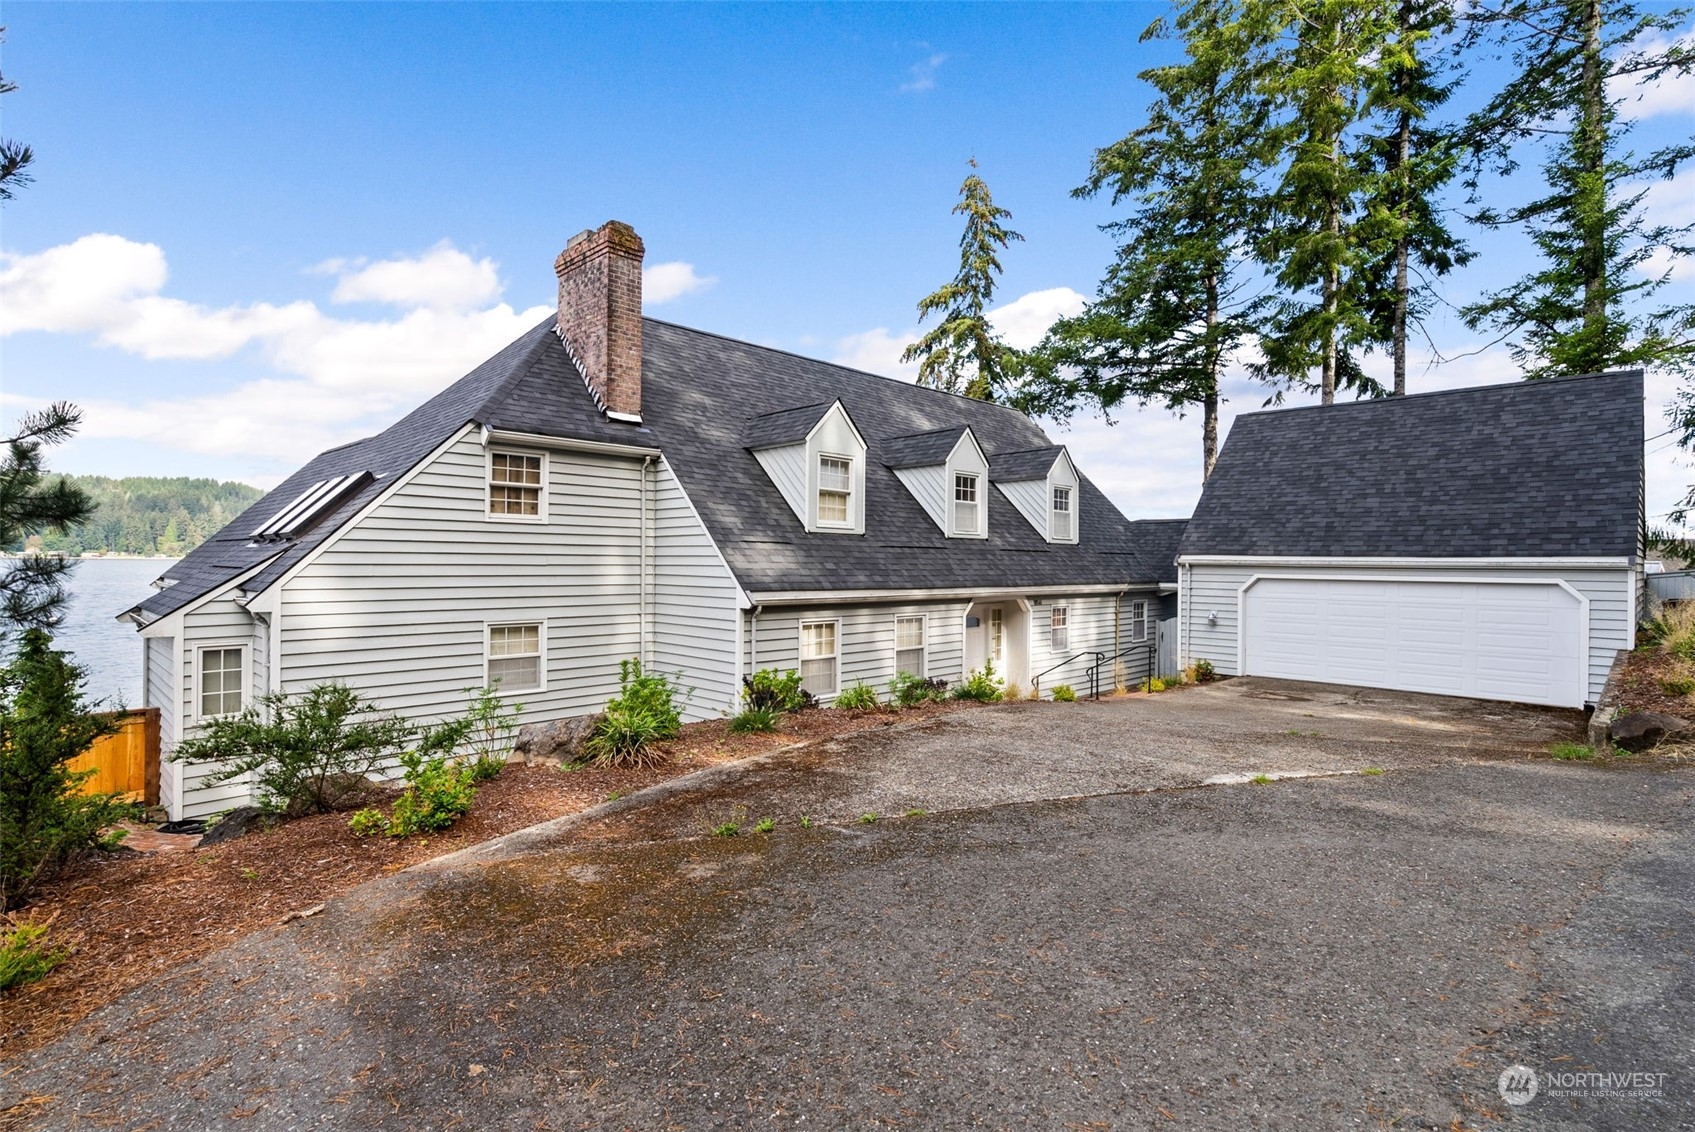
x: 600, y: 313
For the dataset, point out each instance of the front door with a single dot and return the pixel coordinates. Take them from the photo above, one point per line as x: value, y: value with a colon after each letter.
x: 986, y: 638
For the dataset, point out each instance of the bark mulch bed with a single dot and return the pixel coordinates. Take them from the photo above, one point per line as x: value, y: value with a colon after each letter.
x: 129, y: 918
x: 1642, y: 683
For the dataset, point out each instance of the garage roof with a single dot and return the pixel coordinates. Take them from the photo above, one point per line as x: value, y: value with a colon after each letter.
x: 1532, y: 469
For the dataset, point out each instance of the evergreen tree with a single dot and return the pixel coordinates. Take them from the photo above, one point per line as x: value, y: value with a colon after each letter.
x: 1322, y: 240
x: 30, y: 590
x: 1588, y: 306
x: 1417, y: 160
x: 1175, y: 303
x: 15, y: 157
x: 963, y: 354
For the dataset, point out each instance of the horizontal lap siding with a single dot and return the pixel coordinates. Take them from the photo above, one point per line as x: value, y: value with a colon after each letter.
x: 161, y: 692
x: 1091, y: 625
x: 695, y: 605
x: 221, y: 621
x: 866, y: 645
x: 1214, y: 588
x: 397, y: 607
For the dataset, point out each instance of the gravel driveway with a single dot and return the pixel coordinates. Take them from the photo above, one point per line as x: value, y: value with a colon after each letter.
x: 1076, y: 934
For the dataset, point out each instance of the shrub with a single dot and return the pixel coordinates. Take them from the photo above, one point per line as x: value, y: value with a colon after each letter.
x: 1011, y: 691
x: 1063, y: 694
x: 490, y: 728
x: 754, y: 719
x: 1673, y: 631
x: 1678, y: 685
x: 859, y: 697
x: 367, y: 822
x: 1204, y: 672
x: 774, y: 691
x: 642, y: 713
x: 44, y: 723
x: 25, y: 956
x: 439, y: 791
x: 907, y: 690
x: 981, y: 685
x: 301, y: 750
x: 1156, y: 685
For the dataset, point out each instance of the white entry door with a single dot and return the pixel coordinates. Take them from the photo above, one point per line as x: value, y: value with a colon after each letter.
x: 1523, y: 642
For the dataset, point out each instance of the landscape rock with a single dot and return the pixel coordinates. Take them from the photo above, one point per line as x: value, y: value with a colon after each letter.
x: 347, y: 791
x: 1642, y: 730
x: 237, y: 823
x: 559, y: 741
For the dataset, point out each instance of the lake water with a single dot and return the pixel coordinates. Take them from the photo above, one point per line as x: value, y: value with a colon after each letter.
x: 100, y: 589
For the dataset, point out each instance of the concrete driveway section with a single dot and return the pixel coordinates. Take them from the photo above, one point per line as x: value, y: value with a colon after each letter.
x: 1115, y: 948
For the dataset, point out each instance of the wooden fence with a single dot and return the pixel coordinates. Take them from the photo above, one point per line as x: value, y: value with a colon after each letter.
x: 127, y: 761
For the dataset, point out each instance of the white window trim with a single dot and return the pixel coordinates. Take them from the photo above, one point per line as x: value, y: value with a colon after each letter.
x: 923, y: 620
x: 1066, y: 647
x: 541, y: 646
x: 848, y: 524
x: 488, y: 487
x: 201, y: 648
x: 800, y: 651
x: 982, y: 504
x: 1071, y: 514
x: 1139, y: 628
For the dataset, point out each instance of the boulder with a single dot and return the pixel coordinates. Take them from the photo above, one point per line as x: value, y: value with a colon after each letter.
x: 560, y: 741
x: 1640, y: 730
x: 238, y: 822
x: 343, y: 791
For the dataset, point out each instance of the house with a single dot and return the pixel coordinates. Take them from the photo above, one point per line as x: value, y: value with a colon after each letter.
x: 611, y: 486
x: 1481, y: 542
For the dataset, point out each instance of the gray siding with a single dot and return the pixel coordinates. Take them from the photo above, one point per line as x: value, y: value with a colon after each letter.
x: 1208, y: 589
x: 695, y: 604
x: 1092, y: 630
x: 928, y: 485
x: 787, y: 468
x: 221, y: 621
x: 159, y: 690
x: 1031, y: 499
x: 866, y: 642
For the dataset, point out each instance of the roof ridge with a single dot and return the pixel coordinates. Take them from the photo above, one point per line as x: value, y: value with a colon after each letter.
x: 520, y: 369
x: 1521, y: 383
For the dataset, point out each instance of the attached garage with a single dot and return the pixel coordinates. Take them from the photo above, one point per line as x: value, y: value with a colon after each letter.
x: 1482, y: 542
x: 1522, y: 640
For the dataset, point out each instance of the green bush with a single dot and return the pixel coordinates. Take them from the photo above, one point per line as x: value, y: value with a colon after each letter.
x: 858, y: 698
x: 1204, y: 672
x: 1063, y: 694
x: 44, y: 723
x: 982, y: 685
x: 642, y: 713
x: 754, y: 719
x: 1678, y: 685
x: 367, y: 822
x: 302, y: 749
x: 907, y: 690
x: 487, y: 731
x: 1155, y: 684
x: 25, y: 956
x: 439, y: 791
x: 771, y: 690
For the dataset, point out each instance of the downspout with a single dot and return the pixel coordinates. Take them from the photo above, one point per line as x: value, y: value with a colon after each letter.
x: 753, y: 639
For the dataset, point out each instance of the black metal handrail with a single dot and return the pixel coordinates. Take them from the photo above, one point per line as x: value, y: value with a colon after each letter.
x: 1102, y: 660
x: 1036, y: 680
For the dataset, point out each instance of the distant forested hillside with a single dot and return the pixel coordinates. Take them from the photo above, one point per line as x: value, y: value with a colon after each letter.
x: 151, y: 514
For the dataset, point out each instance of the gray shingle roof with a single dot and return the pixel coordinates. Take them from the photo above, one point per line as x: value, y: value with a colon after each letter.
x: 1031, y: 464
x: 785, y: 426
x: 921, y: 449
x: 1156, y: 543
x: 702, y: 394
x: 1531, y: 469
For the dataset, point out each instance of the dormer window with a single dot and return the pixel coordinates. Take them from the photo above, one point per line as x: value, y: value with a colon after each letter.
x: 965, y: 506
x: 835, y: 491
x: 1061, y: 521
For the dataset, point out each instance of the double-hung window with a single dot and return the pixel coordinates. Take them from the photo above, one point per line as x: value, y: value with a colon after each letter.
x: 514, y: 658
x: 515, y: 485
x: 1063, y: 528
x: 222, y: 676
x: 966, y: 509
x: 835, y: 491
x: 909, y: 645
x: 1059, y: 628
x: 1138, y: 621
x: 818, y: 655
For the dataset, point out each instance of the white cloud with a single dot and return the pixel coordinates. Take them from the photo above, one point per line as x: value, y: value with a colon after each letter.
x: 1022, y: 322
x: 1669, y: 94
x: 923, y: 75
x: 662, y: 282
x: 877, y: 351
x: 335, y: 377
x: 443, y: 277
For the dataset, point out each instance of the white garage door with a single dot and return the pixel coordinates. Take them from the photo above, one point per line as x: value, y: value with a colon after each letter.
x: 1491, y: 640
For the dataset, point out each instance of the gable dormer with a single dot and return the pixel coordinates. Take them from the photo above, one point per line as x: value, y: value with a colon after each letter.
x: 1043, y: 484
x: 815, y: 457
x: 947, y: 472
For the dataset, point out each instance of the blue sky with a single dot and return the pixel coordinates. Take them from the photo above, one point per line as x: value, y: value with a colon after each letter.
x: 258, y: 231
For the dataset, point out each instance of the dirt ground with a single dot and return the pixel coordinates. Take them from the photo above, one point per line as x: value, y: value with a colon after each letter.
x: 129, y: 918
x: 1646, y: 672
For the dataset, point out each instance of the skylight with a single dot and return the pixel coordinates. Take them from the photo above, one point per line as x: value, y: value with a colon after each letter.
x: 313, y: 504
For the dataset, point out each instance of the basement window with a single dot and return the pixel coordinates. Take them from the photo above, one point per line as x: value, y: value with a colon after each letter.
x: 515, y: 481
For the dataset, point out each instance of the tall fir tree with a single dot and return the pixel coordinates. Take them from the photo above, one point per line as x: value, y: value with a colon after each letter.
x: 1322, y: 240
x: 31, y: 593
x: 1176, y: 302
x: 962, y: 353
x: 1589, y: 305
x: 15, y: 156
